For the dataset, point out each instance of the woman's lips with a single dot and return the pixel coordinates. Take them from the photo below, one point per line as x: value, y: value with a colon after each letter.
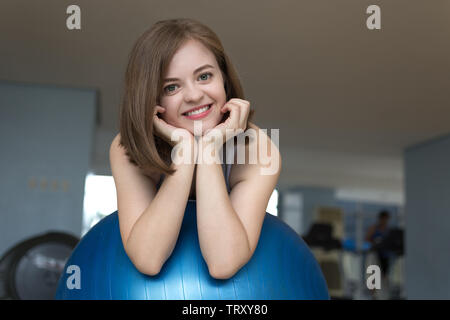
x: 200, y: 115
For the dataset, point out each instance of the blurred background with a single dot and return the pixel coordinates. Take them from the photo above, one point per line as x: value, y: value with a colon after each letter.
x: 363, y: 118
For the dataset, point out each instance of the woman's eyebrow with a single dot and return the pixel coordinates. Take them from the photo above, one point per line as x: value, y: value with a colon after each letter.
x: 195, y: 71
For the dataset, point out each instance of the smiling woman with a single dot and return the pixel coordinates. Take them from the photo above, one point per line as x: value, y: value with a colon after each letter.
x: 178, y: 78
x: 181, y: 225
x: 163, y: 65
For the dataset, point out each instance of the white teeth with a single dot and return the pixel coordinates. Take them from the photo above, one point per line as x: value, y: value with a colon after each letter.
x: 197, y: 111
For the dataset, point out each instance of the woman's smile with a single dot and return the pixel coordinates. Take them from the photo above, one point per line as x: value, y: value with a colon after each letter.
x: 199, y: 112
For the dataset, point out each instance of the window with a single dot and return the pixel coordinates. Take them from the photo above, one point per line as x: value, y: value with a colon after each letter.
x: 100, y: 199
x: 272, y: 206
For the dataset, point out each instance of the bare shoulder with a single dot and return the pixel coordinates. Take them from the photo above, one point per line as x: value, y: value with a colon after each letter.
x: 264, y: 149
x: 116, y: 148
x: 119, y: 157
x: 264, y: 140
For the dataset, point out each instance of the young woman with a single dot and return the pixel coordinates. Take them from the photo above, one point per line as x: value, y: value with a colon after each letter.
x: 179, y: 76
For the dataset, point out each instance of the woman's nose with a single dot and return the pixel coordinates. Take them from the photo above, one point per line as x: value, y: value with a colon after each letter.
x: 192, y: 93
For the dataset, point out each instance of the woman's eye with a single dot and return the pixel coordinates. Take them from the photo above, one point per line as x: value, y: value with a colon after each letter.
x: 170, y: 88
x: 205, y: 76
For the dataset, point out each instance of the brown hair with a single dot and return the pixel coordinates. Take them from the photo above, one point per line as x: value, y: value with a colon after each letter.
x: 148, y: 62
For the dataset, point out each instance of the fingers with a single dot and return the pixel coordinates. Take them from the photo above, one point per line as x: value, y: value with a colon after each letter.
x: 158, y: 109
x: 239, y: 111
x: 167, y: 132
x: 234, y: 114
x: 155, y: 114
x: 245, y: 110
x: 159, y: 123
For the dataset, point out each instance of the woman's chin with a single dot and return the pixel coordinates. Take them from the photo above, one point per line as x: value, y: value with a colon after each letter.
x: 202, y: 126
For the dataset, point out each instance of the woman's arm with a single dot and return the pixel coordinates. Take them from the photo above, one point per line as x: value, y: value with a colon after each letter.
x: 149, y: 221
x: 229, y: 225
x: 222, y: 236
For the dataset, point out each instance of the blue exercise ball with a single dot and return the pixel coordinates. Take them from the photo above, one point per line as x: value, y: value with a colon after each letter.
x: 281, y: 268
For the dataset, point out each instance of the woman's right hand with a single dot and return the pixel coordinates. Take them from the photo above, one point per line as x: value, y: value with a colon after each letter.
x: 166, y: 131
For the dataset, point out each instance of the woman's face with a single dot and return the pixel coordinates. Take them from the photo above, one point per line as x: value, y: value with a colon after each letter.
x: 193, y: 79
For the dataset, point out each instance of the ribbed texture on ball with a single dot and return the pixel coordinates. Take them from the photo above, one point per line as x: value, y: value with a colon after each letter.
x: 282, y: 268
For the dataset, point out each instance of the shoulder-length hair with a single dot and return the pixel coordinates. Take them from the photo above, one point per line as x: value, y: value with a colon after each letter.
x: 148, y: 62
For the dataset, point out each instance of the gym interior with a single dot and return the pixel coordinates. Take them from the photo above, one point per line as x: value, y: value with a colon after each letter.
x: 361, y: 114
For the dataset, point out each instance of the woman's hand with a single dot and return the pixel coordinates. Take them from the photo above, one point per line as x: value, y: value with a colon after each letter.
x: 183, y: 143
x: 235, y: 124
x: 172, y: 135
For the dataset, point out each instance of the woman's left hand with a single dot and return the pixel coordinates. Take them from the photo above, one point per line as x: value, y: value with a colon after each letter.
x: 235, y: 124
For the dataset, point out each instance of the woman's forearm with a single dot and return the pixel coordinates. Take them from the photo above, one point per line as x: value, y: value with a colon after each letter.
x: 222, y: 236
x: 155, y: 233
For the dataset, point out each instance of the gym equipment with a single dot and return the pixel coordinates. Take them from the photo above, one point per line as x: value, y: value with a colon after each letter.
x: 321, y: 235
x: 327, y: 251
x: 282, y: 267
x: 30, y: 270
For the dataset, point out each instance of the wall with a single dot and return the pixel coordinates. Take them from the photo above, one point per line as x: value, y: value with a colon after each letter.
x: 427, y: 209
x: 46, y: 135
